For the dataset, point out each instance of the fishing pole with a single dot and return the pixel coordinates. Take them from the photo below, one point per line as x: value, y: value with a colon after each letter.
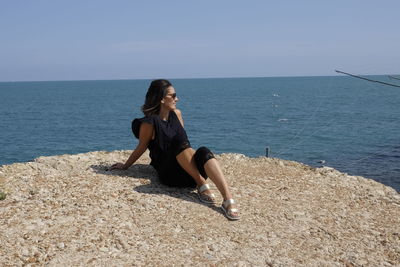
x: 370, y: 80
x: 392, y: 77
x: 353, y: 162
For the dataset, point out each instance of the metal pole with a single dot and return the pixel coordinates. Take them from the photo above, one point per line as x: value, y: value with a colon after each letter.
x: 267, y: 150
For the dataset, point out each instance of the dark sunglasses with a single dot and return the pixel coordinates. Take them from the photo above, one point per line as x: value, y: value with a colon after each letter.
x: 173, y: 95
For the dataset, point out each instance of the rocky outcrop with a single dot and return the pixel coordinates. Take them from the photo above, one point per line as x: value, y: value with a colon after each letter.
x: 69, y: 211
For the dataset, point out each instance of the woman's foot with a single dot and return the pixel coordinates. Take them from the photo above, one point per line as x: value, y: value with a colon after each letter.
x: 229, y: 209
x: 205, y: 194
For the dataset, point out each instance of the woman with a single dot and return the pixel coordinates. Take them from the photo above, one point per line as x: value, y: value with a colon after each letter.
x: 177, y: 164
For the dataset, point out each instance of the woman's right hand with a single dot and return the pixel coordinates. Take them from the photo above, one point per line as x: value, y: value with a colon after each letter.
x: 117, y: 166
x: 145, y: 135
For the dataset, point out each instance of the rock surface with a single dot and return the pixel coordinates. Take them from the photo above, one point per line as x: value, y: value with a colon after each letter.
x: 69, y: 211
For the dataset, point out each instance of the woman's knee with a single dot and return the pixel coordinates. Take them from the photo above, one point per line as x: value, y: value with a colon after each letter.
x: 187, y: 152
x: 201, y: 156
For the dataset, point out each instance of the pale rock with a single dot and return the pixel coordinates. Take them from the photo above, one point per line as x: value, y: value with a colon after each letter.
x: 68, y: 211
x: 103, y: 249
x: 25, y: 252
x: 208, y: 256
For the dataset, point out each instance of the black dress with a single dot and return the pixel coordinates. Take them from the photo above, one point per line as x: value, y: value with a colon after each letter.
x: 170, y: 139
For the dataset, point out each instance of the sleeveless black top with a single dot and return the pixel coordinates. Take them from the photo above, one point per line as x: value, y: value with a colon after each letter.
x: 166, y: 132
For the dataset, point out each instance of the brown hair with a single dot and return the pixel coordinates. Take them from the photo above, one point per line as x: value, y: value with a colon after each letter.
x: 156, y: 92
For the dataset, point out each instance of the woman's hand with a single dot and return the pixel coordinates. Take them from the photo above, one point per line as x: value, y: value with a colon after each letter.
x: 118, y: 166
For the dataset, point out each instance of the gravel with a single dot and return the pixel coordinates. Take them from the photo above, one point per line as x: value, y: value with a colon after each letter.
x: 68, y: 210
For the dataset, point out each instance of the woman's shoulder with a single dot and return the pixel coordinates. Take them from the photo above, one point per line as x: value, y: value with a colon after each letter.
x: 178, y: 113
x: 137, y: 122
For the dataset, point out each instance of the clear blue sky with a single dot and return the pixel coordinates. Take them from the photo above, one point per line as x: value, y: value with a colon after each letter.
x: 115, y: 39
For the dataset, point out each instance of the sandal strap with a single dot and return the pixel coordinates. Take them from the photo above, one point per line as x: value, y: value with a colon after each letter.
x: 228, y: 202
x: 229, y: 212
x: 203, y: 188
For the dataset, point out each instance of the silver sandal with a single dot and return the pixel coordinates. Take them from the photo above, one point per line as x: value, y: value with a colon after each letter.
x: 206, y: 198
x: 228, y: 211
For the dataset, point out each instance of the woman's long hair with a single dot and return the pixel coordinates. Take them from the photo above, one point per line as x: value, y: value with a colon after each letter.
x: 156, y: 92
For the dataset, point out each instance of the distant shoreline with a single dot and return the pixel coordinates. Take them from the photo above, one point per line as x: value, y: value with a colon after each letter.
x: 189, y: 78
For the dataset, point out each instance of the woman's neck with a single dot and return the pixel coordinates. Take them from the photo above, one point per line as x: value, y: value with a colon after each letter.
x: 164, y: 114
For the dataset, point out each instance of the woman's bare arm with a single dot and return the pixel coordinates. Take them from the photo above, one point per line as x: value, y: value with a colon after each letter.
x: 145, y: 136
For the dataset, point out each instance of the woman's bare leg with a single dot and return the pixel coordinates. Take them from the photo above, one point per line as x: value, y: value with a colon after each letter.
x: 212, y: 168
x: 186, y: 160
x: 213, y: 171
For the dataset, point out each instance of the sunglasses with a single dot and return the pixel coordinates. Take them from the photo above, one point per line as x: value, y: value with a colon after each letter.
x: 172, y: 95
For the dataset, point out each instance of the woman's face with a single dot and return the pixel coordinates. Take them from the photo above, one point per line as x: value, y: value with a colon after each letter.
x: 170, y: 99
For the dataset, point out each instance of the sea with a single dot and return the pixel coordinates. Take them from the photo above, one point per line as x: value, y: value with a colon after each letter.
x: 342, y: 122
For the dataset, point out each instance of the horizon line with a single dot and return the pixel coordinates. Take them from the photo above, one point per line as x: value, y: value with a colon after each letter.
x: 190, y: 78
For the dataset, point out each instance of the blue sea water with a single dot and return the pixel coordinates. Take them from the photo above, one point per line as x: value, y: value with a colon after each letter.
x: 350, y: 124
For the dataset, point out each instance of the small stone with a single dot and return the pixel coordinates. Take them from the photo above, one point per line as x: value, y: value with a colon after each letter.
x: 25, y: 252
x: 31, y: 260
x: 103, y: 249
x: 212, y: 247
x: 208, y: 256
x: 61, y: 245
